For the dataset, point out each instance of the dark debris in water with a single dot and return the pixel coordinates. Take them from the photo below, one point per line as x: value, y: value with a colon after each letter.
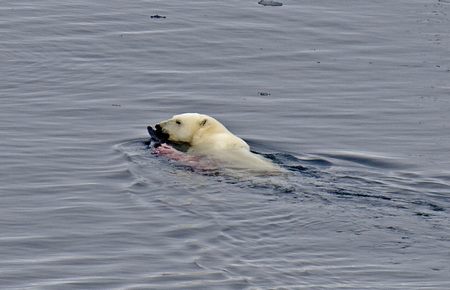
x: 270, y: 3
x: 156, y: 16
x: 424, y: 214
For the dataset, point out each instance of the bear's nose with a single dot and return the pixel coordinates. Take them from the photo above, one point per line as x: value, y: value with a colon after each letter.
x: 158, y: 127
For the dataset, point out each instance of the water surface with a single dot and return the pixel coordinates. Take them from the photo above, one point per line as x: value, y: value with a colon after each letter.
x: 352, y: 96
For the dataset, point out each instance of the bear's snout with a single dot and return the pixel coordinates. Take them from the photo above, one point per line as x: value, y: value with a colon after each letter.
x: 163, y: 136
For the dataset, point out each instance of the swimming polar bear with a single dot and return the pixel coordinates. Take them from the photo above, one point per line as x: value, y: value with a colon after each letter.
x: 207, y: 137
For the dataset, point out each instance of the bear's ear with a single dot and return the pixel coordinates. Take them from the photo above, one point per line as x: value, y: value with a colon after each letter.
x: 203, y: 122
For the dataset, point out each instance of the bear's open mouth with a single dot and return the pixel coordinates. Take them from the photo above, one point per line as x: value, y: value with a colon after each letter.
x: 164, y: 137
x: 157, y: 136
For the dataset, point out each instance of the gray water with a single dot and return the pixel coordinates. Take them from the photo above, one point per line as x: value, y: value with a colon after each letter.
x: 353, y: 97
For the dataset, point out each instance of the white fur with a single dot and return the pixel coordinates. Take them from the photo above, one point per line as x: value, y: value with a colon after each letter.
x: 208, y: 137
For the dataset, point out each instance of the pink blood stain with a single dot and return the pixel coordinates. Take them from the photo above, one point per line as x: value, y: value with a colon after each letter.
x: 195, y: 162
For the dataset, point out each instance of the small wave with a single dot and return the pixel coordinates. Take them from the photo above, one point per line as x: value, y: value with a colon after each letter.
x: 367, y: 159
x: 346, y: 193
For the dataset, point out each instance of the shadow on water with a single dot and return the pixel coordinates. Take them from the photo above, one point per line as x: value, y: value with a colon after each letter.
x: 368, y: 180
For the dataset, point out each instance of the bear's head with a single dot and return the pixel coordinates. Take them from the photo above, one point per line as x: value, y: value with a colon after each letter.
x: 184, y: 127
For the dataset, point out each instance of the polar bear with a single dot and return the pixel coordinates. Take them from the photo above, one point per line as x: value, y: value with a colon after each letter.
x: 207, y: 137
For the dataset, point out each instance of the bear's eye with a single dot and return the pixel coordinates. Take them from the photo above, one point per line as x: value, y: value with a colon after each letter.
x: 178, y: 122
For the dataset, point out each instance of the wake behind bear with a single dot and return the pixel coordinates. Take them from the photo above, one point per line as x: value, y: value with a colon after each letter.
x: 207, y: 142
